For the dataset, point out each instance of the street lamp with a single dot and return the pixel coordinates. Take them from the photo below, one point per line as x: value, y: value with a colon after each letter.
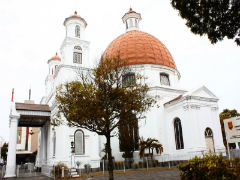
x: 72, y: 147
x: 31, y: 132
x: 72, y: 151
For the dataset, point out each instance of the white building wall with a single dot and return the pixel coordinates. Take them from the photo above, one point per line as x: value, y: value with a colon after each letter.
x: 195, y: 116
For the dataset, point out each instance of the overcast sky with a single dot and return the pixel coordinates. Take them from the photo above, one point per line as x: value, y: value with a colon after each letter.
x: 31, y: 31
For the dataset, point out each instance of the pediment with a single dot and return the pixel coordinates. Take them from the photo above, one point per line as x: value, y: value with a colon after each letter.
x: 202, y: 92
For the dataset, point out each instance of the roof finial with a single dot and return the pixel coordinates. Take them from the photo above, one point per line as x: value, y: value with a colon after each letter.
x: 75, y: 12
x: 56, y: 54
x: 12, y: 94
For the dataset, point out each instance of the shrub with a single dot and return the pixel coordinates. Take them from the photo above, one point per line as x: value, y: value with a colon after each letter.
x: 135, y: 165
x: 209, y: 167
x: 87, y: 168
x: 58, y: 170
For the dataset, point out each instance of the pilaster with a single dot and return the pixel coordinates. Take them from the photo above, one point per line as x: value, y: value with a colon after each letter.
x: 12, y: 145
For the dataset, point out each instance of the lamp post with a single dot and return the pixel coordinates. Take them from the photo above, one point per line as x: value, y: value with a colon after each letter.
x: 72, y: 151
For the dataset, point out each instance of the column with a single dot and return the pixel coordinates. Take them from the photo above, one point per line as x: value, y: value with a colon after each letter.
x: 38, y: 158
x: 12, y: 145
x: 43, y: 145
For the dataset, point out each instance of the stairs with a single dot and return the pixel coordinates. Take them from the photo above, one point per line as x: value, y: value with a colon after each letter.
x: 74, y: 173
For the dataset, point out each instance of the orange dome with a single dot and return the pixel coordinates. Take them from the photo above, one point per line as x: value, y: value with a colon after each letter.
x: 140, y: 48
x: 56, y: 57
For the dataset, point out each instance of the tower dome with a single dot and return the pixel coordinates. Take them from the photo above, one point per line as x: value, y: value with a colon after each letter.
x: 137, y: 47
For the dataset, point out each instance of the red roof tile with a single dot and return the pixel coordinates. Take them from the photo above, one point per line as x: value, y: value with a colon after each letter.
x: 140, y: 48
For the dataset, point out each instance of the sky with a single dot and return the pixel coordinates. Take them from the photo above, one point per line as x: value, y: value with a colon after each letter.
x: 31, y: 32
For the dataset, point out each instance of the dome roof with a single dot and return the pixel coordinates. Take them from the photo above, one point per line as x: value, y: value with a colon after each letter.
x: 138, y: 47
x: 56, y: 57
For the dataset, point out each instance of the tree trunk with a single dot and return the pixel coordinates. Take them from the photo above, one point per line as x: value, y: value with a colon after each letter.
x: 110, y: 160
x: 152, y: 155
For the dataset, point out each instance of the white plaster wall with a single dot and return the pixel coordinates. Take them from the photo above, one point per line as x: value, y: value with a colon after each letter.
x: 158, y: 123
x: 152, y: 73
x: 67, y: 50
x: 70, y: 28
x: 195, y: 117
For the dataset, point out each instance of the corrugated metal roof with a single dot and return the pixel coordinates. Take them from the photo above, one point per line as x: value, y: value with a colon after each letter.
x: 32, y: 107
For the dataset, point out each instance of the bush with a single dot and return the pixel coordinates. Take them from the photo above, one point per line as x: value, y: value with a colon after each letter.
x: 135, y: 165
x: 87, y: 168
x: 209, y: 167
x: 58, y: 170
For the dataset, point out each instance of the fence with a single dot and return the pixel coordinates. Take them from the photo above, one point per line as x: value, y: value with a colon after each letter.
x: 27, y: 170
x: 165, y: 160
x: 2, y: 171
x: 234, y: 153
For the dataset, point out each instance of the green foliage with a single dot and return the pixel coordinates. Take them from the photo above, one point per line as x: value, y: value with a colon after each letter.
x: 99, y: 99
x: 135, y: 165
x: 226, y: 114
x: 78, y: 163
x: 4, y: 151
x: 209, y: 167
x: 128, y: 138
x: 87, y: 168
x: 216, y: 18
x: 151, y: 144
x: 58, y: 169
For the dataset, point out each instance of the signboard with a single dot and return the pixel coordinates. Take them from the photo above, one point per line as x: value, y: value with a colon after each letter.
x: 232, y: 129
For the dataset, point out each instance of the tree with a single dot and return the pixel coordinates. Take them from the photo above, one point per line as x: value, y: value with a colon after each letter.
x: 226, y: 114
x: 150, y: 144
x: 128, y: 135
x: 4, y: 151
x: 215, y: 18
x: 99, y: 99
x: 157, y: 147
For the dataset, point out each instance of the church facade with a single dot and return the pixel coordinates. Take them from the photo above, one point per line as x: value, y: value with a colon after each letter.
x: 186, y: 123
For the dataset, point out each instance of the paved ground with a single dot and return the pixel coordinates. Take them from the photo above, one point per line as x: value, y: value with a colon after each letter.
x: 154, y: 175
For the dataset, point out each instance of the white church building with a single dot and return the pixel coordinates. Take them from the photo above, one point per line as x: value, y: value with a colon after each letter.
x: 186, y: 122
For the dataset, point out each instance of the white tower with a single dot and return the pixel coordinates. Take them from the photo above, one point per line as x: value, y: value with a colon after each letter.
x: 53, y: 64
x: 75, y: 49
x: 131, y: 19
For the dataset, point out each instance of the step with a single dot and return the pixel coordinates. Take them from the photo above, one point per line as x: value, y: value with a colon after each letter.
x: 74, y: 173
x: 73, y: 170
x: 75, y: 176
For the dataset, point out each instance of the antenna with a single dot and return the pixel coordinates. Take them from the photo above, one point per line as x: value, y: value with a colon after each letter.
x: 29, y: 94
x: 12, y: 94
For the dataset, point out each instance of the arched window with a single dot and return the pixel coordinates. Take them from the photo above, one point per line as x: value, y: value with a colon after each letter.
x: 164, y: 79
x: 178, y: 134
x: 77, y: 55
x: 79, y: 142
x: 77, y: 31
x: 209, y: 140
x: 208, y: 132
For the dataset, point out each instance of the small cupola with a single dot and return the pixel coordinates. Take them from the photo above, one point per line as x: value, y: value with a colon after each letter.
x: 75, y: 26
x: 131, y: 19
x: 53, y: 64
